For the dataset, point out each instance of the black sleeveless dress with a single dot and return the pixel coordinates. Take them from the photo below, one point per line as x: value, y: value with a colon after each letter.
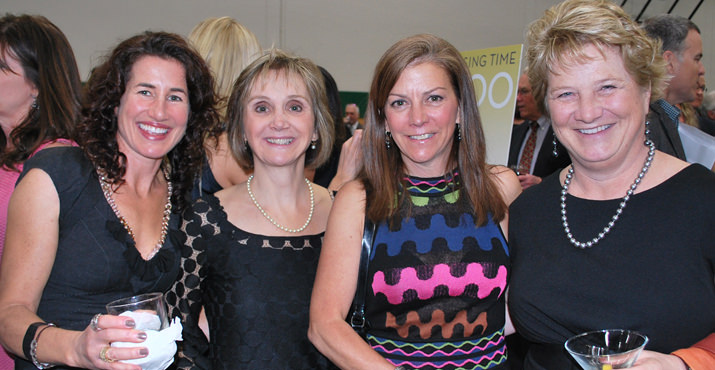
x: 255, y: 289
x: 96, y: 259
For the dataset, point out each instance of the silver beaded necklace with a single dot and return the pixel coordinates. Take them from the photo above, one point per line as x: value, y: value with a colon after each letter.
x: 269, y: 218
x: 607, y: 229
x: 107, y: 190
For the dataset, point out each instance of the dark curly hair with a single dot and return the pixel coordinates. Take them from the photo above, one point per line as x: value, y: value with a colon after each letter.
x: 48, y: 63
x: 97, y: 131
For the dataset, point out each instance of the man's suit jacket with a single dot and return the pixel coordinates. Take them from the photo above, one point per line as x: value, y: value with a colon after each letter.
x: 706, y: 124
x: 664, y: 132
x: 360, y: 126
x: 546, y: 163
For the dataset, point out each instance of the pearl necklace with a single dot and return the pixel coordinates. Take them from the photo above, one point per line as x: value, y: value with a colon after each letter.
x: 607, y: 229
x: 269, y: 218
x: 107, y: 190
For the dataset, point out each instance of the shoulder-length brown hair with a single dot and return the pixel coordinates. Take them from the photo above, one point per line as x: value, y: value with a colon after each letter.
x: 97, y: 131
x: 383, y: 170
x: 49, y: 64
x: 294, y: 67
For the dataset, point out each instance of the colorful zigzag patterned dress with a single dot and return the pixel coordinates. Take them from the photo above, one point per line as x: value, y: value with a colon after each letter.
x: 436, y: 285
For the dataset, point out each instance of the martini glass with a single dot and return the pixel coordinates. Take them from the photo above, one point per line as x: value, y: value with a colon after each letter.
x: 606, y: 349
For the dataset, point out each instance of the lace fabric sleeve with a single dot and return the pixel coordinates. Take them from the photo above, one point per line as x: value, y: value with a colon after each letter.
x: 185, y: 298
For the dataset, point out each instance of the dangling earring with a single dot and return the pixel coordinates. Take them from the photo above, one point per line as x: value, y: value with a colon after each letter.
x: 387, y: 139
x: 312, y: 144
x: 647, y: 133
x: 555, y: 152
x: 459, y: 133
x: 34, y: 103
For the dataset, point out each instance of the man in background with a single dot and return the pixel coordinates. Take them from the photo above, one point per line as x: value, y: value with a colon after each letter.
x: 352, y: 117
x: 682, y: 49
x: 534, y: 151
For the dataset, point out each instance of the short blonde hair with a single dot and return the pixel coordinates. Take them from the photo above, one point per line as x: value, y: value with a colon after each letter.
x: 293, y: 67
x: 227, y: 47
x: 561, y: 35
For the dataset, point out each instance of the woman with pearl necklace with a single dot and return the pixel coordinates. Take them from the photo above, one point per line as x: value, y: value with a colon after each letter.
x: 251, y: 250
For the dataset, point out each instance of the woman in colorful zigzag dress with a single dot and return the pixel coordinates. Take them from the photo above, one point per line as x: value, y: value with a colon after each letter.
x: 439, y: 263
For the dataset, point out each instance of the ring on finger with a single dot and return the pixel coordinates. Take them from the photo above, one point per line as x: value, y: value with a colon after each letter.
x: 103, y: 355
x: 94, y: 322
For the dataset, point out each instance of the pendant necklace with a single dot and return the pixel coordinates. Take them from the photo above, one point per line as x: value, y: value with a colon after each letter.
x: 607, y: 229
x: 107, y: 190
x: 269, y: 218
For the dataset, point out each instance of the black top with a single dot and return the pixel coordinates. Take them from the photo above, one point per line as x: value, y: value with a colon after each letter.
x: 705, y: 124
x: 206, y: 183
x: 325, y: 173
x: 255, y: 289
x: 652, y: 273
x: 96, y: 260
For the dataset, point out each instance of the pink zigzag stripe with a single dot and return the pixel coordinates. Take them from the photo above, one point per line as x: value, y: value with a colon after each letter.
x: 426, y: 182
x: 444, y: 353
x: 454, y: 363
x: 413, y: 182
x: 440, y: 276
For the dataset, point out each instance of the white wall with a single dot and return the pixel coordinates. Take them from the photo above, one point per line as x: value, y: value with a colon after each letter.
x: 345, y: 37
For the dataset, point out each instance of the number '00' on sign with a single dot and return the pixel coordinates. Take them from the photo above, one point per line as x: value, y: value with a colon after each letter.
x: 490, y: 91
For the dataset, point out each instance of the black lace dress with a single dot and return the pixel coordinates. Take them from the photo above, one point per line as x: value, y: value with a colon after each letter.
x: 255, y: 289
x: 96, y: 260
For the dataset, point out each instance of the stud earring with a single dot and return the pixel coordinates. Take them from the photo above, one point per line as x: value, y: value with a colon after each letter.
x: 312, y: 144
x: 555, y: 152
x: 387, y: 139
x: 459, y: 133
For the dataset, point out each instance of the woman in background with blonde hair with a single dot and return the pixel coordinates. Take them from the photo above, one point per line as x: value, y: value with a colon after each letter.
x: 227, y: 47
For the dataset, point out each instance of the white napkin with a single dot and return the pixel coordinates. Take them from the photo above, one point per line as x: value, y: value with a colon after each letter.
x: 161, y: 344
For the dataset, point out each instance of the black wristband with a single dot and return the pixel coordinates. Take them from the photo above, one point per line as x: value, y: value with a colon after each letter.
x: 29, y: 336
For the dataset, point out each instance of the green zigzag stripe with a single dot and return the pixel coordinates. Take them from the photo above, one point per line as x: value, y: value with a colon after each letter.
x: 416, y: 346
x: 487, y: 365
x: 422, y: 201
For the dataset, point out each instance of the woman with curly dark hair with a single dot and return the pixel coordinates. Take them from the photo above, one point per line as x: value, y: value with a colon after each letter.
x: 107, y: 211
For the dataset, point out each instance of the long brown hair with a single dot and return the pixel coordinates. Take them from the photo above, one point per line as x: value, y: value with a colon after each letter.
x: 383, y: 170
x: 49, y: 64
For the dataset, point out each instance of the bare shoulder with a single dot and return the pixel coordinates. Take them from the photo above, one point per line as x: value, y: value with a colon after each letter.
x: 352, y: 191
x: 507, y: 181
x: 36, y: 181
x: 349, y: 206
x: 323, y: 199
x: 664, y: 167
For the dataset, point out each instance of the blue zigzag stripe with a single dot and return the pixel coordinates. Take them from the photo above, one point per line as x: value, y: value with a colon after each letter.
x: 454, y: 236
